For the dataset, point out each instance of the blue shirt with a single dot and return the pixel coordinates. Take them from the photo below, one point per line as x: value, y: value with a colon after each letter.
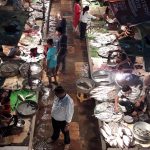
x: 52, y: 57
x: 63, y: 109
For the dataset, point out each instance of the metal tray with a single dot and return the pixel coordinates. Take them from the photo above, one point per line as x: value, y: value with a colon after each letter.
x: 32, y: 83
x: 102, y: 77
x: 27, y: 108
x: 9, y: 69
x: 142, y: 130
x: 84, y: 85
x: 128, y: 79
x: 35, y: 70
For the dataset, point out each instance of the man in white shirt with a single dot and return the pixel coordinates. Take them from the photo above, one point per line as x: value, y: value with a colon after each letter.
x: 85, y: 17
x: 62, y: 113
x: 132, y: 99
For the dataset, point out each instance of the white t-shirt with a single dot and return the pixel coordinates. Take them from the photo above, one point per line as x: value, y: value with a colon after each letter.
x: 86, y: 17
x: 133, y: 96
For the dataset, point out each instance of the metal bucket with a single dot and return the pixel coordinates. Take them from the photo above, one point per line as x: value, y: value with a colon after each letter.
x: 32, y: 83
x: 33, y: 70
x: 84, y: 85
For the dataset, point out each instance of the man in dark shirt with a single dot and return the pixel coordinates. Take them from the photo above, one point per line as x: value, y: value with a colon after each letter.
x: 61, y: 22
x: 61, y: 46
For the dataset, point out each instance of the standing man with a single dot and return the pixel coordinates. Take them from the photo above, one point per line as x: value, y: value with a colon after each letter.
x: 61, y: 49
x: 61, y: 22
x: 62, y: 113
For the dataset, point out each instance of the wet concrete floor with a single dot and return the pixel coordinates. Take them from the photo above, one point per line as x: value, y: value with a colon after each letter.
x: 84, y: 129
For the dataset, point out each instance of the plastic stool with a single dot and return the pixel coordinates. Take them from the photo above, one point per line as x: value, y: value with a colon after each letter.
x: 82, y: 96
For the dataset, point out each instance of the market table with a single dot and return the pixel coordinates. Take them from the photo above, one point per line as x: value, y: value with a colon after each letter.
x: 93, y: 63
x: 28, y: 40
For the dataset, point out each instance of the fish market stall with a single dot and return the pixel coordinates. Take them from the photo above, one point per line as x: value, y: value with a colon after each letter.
x: 20, y: 77
x: 117, y: 129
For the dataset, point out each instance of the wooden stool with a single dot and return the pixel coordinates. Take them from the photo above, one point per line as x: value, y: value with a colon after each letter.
x: 82, y: 96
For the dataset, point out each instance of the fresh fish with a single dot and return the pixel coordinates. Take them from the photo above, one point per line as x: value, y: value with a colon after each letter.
x: 131, y: 138
x: 21, y: 97
x: 104, y: 133
x: 127, y: 131
x: 95, y: 90
x: 106, y: 112
x: 107, y: 128
x: 29, y: 96
x: 120, y: 132
x: 114, y: 142
x: 110, y: 138
x: 126, y: 140
x: 120, y: 142
x: 117, y: 117
x: 100, y: 99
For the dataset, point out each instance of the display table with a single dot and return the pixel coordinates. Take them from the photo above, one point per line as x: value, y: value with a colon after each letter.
x: 135, y: 49
x: 31, y: 38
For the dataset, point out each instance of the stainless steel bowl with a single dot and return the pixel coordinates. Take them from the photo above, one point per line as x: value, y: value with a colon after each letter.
x: 32, y: 83
x: 142, y: 130
x: 33, y: 70
x: 102, y: 77
x: 27, y: 108
x: 20, y: 123
x: 128, y: 79
x: 84, y: 85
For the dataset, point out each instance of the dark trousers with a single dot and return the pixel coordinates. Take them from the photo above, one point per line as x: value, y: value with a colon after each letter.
x: 57, y: 127
x: 82, y: 30
x: 61, y: 59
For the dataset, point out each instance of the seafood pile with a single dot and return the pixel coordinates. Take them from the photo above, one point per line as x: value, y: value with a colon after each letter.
x: 105, y: 112
x: 52, y: 24
x: 102, y: 39
x: 104, y: 93
x: 104, y: 51
x: 141, y: 131
x: 117, y: 135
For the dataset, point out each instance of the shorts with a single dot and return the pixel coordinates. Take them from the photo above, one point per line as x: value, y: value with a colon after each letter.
x: 51, y: 72
x: 130, y: 107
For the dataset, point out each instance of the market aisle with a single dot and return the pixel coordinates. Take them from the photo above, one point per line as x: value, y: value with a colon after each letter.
x: 84, y: 127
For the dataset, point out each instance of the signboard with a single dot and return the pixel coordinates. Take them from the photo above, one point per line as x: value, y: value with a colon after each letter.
x: 131, y: 11
x: 11, y: 26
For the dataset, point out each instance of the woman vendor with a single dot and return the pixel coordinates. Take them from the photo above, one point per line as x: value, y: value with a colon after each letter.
x: 130, y: 102
x: 123, y: 62
x: 118, y: 61
x: 126, y: 32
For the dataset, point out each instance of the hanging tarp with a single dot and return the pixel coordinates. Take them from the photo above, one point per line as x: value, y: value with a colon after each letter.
x: 11, y: 26
x: 131, y: 11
